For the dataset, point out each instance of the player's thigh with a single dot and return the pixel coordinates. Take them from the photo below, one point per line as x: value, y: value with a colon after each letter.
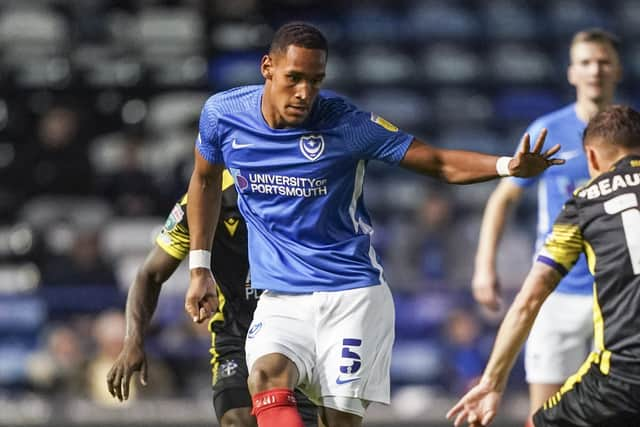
x: 230, y: 389
x: 308, y: 410
x: 238, y: 417
x: 560, y: 339
x: 593, y: 400
x: 354, y: 346
x: 283, y: 324
x: 330, y: 417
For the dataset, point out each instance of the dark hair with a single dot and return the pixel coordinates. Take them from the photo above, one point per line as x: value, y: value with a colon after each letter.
x: 617, y: 125
x: 298, y: 34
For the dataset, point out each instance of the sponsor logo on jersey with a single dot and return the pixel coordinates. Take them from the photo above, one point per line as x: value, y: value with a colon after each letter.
x: 312, y: 146
x: 382, y: 122
x: 253, y: 331
x: 241, y: 181
x: 231, y: 224
x: 174, y: 218
x: 280, y: 185
x: 236, y: 145
x: 227, y: 369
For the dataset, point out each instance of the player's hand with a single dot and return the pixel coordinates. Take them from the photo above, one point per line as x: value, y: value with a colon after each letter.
x: 528, y: 163
x: 478, y: 407
x: 486, y: 289
x: 202, y: 298
x: 131, y: 359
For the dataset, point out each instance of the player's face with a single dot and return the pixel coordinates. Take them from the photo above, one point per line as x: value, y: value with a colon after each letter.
x: 594, y: 71
x: 292, y: 82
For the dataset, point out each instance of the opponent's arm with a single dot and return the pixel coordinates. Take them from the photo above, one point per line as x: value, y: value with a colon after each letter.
x: 485, y: 284
x: 480, y: 404
x: 203, y: 209
x: 466, y: 167
x: 141, y: 304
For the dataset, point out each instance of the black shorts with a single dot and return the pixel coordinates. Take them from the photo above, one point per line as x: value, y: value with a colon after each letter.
x: 598, y: 400
x: 230, y: 390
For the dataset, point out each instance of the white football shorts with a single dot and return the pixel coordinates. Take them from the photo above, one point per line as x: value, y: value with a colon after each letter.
x: 340, y: 341
x: 561, y: 338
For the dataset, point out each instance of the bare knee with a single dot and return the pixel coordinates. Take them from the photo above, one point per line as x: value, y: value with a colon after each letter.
x: 238, y: 417
x: 333, y: 418
x: 272, y: 371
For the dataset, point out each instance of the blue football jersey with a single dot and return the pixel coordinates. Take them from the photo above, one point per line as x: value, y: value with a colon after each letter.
x: 556, y: 185
x: 300, y: 189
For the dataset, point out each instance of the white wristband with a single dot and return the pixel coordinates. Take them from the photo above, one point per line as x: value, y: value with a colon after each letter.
x: 199, y: 259
x: 502, y: 166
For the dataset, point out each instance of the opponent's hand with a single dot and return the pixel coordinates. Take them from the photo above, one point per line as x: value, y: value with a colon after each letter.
x: 531, y: 163
x: 131, y: 359
x: 202, y: 298
x: 486, y: 289
x: 478, y: 407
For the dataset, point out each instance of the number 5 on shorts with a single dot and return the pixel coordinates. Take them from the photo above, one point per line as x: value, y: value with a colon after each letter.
x: 349, y: 353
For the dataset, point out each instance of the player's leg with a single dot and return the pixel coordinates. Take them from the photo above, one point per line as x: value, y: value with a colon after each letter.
x: 354, y: 352
x: 330, y: 417
x: 590, y: 398
x: 558, y: 344
x: 231, y: 398
x: 280, y: 352
x: 308, y: 410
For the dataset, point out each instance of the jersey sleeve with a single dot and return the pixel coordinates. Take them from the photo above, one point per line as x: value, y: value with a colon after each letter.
x: 565, y: 243
x: 370, y: 136
x: 533, y: 130
x: 207, y: 142
x: 174, y: 237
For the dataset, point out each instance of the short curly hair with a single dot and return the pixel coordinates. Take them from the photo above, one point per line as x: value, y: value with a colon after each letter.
x: 298, y: 34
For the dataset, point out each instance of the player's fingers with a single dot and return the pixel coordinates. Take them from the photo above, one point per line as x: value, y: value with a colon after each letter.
x: 191, y: 307
x: 556, y: 161
x: 488, y: 417
x: 203, y: 315
x: 460, y: 418
x: 110, y: 379
x: 551, y: 151
x: 117, y: 382
x: 125, y: 383
x: 454, y: 410
x: 540, y: 141
x: 525, y: 143
x: 143, y: 373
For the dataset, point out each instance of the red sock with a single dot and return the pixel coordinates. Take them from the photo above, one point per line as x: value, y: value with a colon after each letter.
x: 276, y: 408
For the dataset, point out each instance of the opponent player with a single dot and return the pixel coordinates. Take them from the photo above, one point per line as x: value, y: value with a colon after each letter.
x: 298, y: 159
x: 603, y: 221
x: 229, y: 324
x: 561, y: 338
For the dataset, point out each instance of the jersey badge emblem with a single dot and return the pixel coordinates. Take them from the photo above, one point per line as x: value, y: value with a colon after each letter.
x: 312, y: 146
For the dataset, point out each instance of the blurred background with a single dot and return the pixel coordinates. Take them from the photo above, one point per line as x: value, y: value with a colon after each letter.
x: 99, y: 104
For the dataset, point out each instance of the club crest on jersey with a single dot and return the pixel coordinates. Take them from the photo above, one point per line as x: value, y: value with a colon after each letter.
x: 312, y: 146
x: 255, y: 328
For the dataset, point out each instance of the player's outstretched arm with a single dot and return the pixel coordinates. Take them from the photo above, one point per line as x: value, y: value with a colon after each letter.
x: 466, y: 167
x: 485, y: 283
x: 141, y: 304
x: 479, y: 406
x: 203, y: 209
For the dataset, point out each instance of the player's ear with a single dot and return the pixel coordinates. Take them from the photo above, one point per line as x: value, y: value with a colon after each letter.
x: 266, y: 67
x: 592, y: 160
